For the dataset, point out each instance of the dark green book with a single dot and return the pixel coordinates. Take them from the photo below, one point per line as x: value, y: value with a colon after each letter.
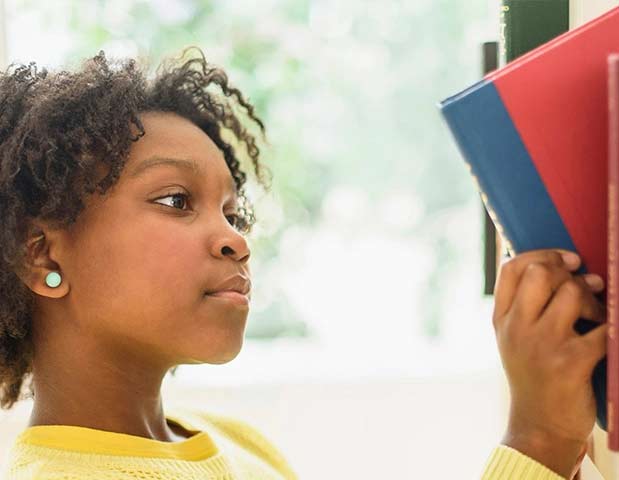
x: 527, y: 24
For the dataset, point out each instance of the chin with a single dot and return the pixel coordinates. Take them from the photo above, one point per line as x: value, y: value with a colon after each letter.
x: 221, y: 361
x: 218, y: 357
x: 214, y: 346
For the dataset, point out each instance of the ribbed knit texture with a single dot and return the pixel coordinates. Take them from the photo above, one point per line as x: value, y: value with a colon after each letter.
x: 506, y: 463
x: 221, y: 448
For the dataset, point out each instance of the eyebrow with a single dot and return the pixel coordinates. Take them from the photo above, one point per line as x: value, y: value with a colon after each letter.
x: 156, y: 161
x: 182, y: 163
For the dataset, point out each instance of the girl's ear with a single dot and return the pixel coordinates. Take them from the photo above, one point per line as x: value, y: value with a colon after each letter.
x: 38, y: 262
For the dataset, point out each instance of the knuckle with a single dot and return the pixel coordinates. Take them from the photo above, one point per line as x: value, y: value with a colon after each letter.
x: 509, y: 267
x: 538, y: 272
x: 573, y: 289
x: 554, y: 257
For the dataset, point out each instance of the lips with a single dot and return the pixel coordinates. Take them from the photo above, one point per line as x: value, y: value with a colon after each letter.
x: 237, y: 283
x: 232, y: 296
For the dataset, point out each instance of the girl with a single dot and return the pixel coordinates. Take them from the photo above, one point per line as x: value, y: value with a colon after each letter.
x: 124, y: 254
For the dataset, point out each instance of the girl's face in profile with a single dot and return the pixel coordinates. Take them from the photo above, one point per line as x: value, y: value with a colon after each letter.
x: 138, y: 261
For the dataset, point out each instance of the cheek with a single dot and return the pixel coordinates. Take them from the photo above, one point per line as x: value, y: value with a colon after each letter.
x: 139, y: 271
x: 160, y: 261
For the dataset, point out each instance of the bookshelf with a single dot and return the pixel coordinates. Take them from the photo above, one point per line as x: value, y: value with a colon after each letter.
x: 581, y: 11
x: 599, y: 456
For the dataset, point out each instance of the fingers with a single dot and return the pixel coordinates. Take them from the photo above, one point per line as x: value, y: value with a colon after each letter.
x: 538, y: 284
x: 511, y: 273
x: 572, y: 300
x: 589, y: 349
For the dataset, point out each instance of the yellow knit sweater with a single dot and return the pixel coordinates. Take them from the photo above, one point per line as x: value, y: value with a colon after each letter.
x: 505, y: 463
x: 221, y: 448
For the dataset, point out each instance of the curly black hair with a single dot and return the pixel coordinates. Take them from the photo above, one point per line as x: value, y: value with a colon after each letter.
x: 60, y: 130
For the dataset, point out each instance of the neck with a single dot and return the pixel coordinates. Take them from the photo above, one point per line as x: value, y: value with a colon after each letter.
x: 79, y: 380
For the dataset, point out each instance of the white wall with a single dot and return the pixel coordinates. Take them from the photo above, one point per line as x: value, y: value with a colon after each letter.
x: 2, y: 35
x: 582, y: 11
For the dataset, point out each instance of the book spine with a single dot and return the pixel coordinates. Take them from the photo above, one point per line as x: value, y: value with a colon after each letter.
x: 490, y: 59
x: 527, y: 24
x: 612, y: 297
x: 474, y: 157
x: 504, y: 38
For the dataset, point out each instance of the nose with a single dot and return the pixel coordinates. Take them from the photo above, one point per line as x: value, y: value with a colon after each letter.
x: 231, y: 243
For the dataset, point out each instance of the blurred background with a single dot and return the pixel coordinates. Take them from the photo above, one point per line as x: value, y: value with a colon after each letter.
x: 369, y: 342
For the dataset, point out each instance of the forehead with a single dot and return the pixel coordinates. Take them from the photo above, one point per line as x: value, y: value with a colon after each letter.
x: 172, y: 140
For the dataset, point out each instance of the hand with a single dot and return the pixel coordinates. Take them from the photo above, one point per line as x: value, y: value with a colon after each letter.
x: 547, y: 363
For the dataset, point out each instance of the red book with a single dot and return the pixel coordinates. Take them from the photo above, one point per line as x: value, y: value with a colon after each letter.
x: 612, y: 297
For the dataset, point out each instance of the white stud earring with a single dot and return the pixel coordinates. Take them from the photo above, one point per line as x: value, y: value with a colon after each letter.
x: 53, y: 279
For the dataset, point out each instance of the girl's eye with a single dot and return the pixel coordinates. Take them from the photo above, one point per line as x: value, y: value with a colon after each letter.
x: 235, y: 220
x: 176, y: 195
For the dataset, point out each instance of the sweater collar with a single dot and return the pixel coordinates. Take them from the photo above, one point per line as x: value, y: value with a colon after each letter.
x: 199, y: 446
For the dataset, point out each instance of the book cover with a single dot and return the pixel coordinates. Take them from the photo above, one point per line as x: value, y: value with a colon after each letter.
x: 527, y: 24
x: 534, y: 134
x: 613, y: 252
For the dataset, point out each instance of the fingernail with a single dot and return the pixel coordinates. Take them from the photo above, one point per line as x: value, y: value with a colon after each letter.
x: 594, y: 281
x: 571, y: 259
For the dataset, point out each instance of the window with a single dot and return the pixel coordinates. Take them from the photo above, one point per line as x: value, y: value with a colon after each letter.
x: 367, y: 256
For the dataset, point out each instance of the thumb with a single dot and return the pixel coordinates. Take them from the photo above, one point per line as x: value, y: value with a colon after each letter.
x: 594, y: 346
